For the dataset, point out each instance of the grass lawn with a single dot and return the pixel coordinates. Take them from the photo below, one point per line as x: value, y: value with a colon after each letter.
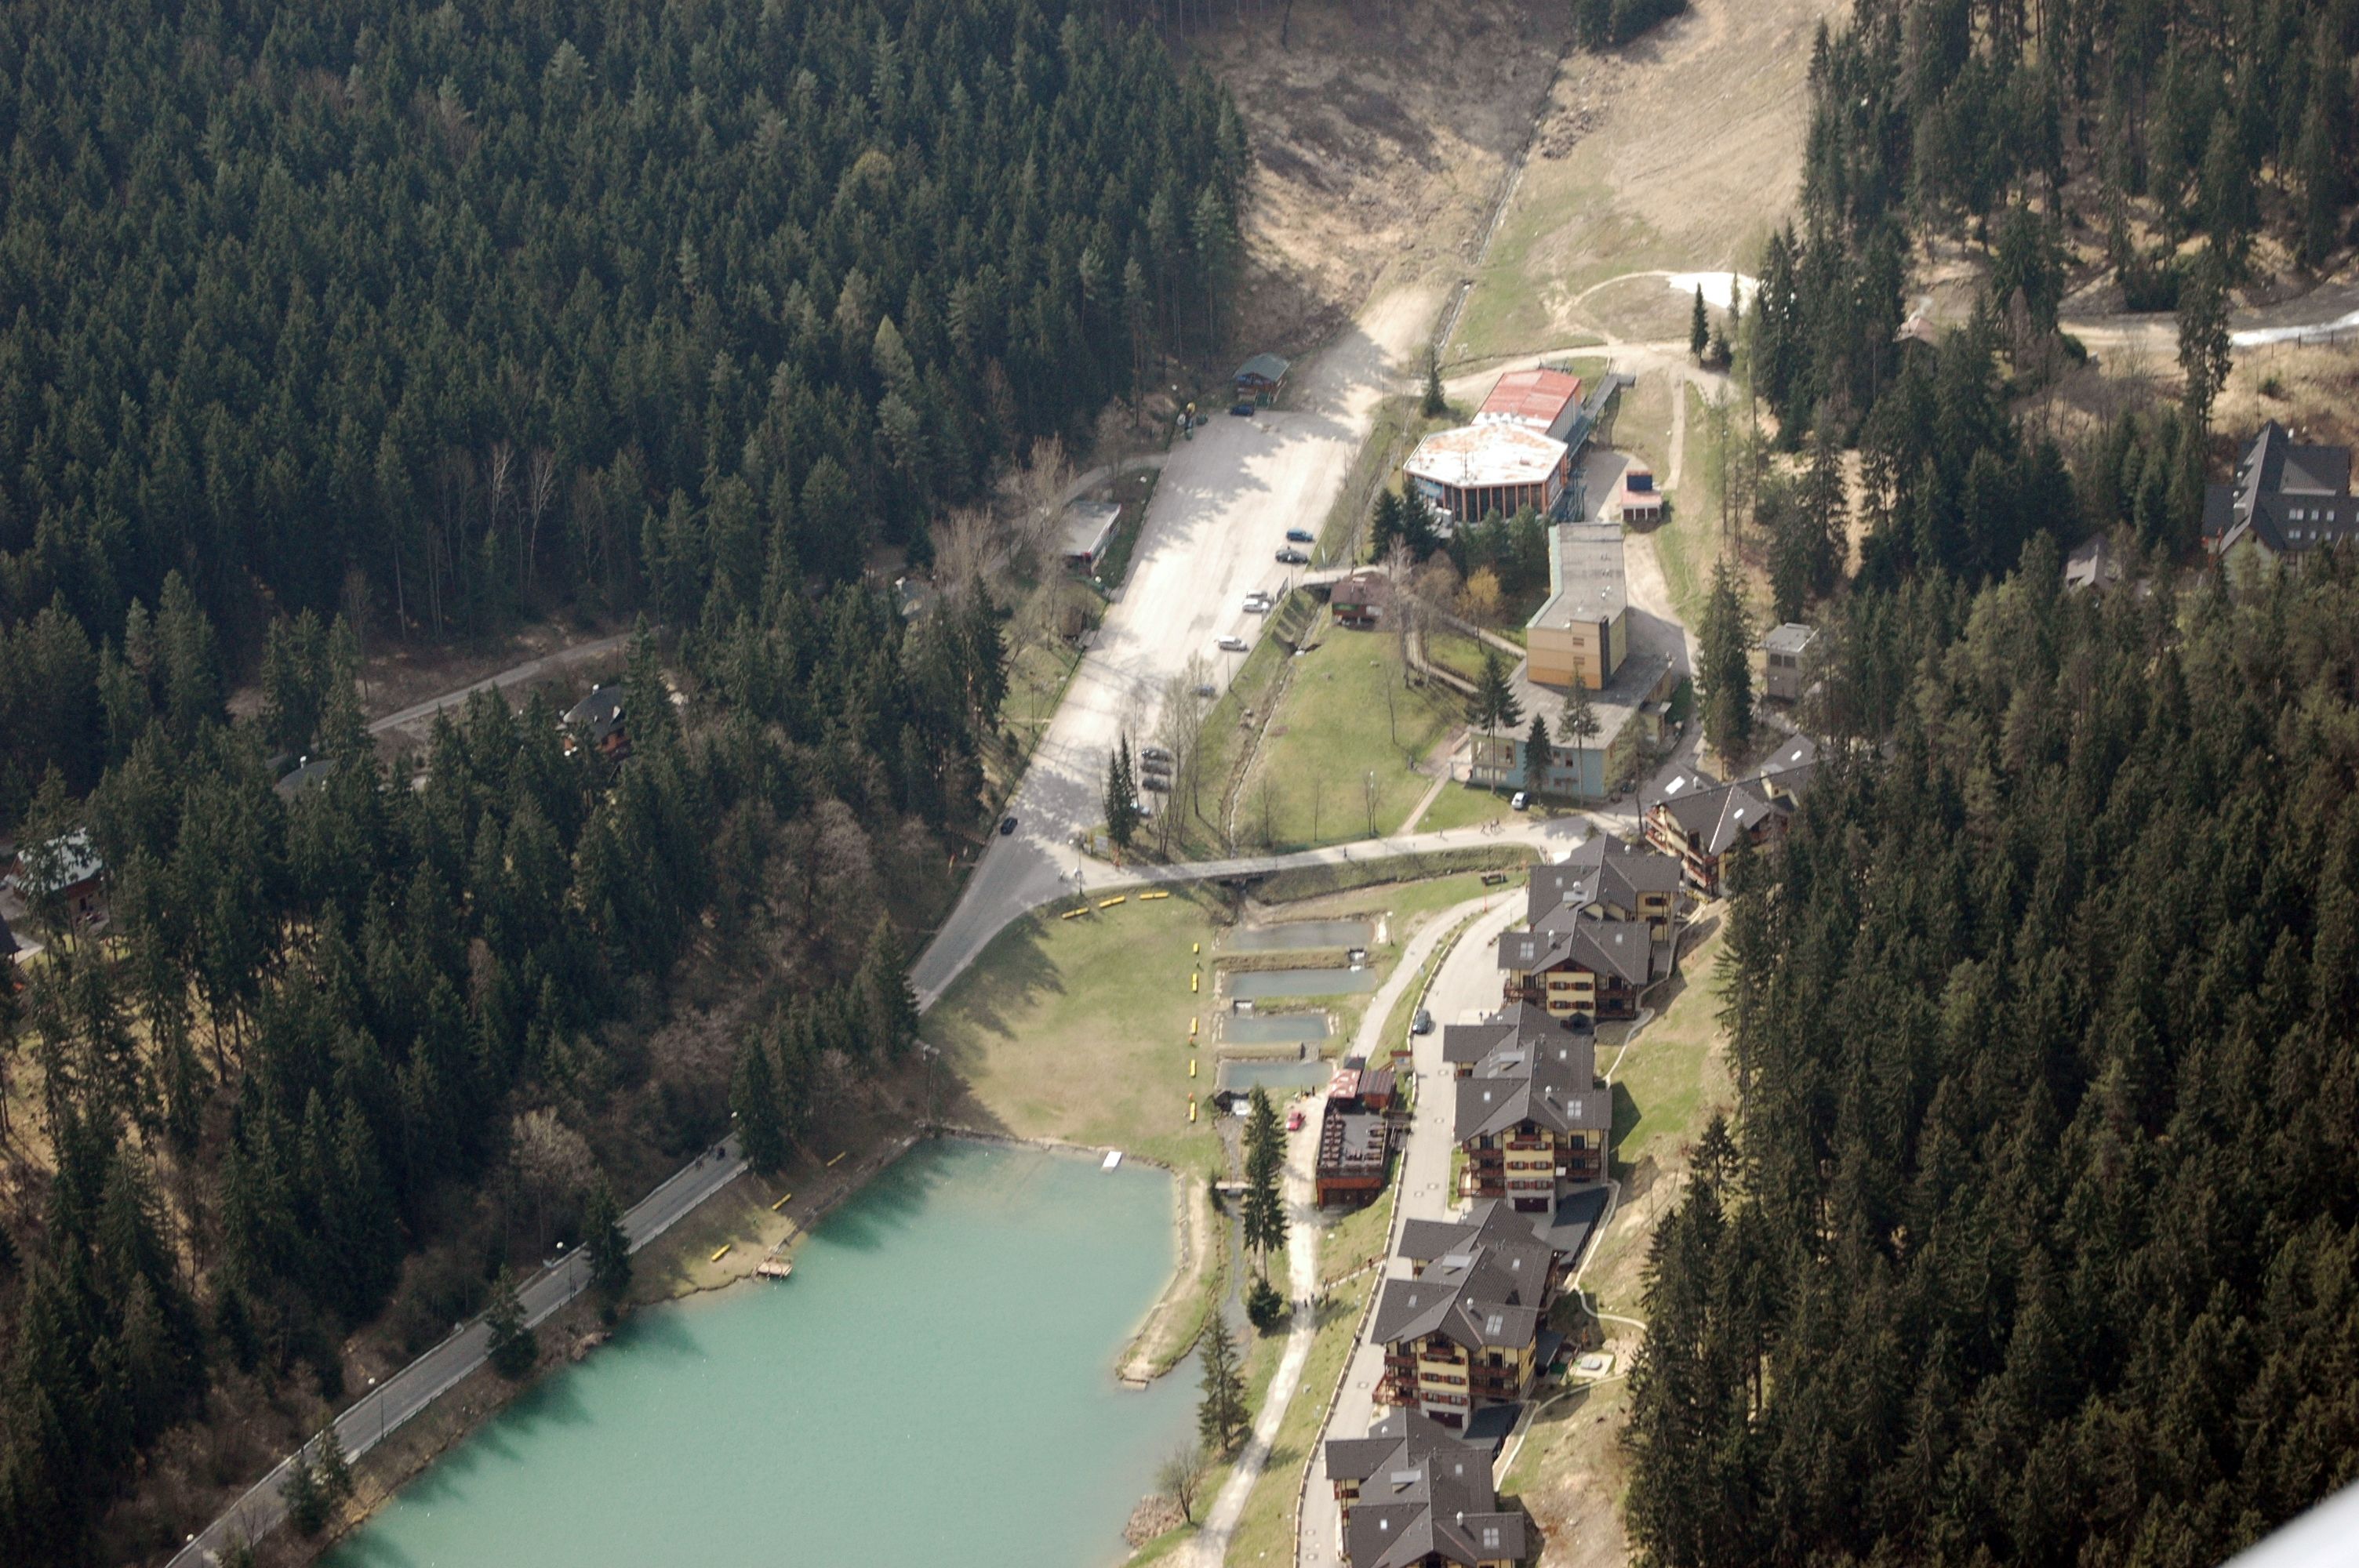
x: 1357, y: 1236
x: 1228, y: 733
x: 1262, y: 1533
x: 1078, y: 1028
x: 1667, y: 1087
x: 1331, y: 734
x: 1457, y: 653
x: 1463, y: 806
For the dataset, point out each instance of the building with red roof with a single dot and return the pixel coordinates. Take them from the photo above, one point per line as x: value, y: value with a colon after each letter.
x: 1541, y: 400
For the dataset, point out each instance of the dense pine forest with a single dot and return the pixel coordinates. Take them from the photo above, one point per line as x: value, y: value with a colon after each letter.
x: 332, y: 321
x: 2037, y: 1238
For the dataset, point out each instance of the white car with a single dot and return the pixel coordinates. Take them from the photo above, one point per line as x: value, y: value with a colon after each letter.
x: 1232, y: 643
x: 1258, y: 607
x: 1519, y: 802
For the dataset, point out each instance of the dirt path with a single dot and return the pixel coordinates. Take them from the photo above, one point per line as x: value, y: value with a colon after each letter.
x: 1211, y: 1543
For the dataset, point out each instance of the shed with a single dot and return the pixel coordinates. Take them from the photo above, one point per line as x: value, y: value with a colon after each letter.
x: 1260, y: 377
x: 1359, y: 601
x: 308, y: 773
x: 1089, y: 528
x: 1785, y: 650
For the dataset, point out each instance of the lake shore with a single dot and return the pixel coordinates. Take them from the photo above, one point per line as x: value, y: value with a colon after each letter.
x: 746, y: 1224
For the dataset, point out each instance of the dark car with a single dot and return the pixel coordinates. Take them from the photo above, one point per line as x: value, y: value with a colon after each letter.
x: 1242, y: 410
x: 1299, y: 535
x: 1291, y: 556
x: 1422, y: 1024
x: 1006, y: 825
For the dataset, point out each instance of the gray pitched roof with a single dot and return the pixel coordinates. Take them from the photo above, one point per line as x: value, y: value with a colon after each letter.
x: 1552, y: 1084
x: 600, y: 714
x: 1268, y: 367
x: 2286, y: 495
x: 70, y: 859
x: 1470, y: 1042
x: 1488, y: 1297
x: 1623, y: 949
x: 1717, y: 815
x: 1601, y: 871
x: 1422, y: 1491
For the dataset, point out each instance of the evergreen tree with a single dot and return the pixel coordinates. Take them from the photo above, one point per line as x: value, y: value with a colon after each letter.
x: 307, y: 1501
x: 2204, y: 350
x: 1265, y: 1308
x: 1577, y: 725
x: 1262, y: 1215
x: 513, y: 1348
x: 609, y: 1248
x: 1221, y: 1408
x: 1435, y: 403
x: 754, y: 1101
x: 1726, y: 676
x: 1494, y: 706
x: 1121, y: 797
x: 1536, y: 753
x: 1699, y: 328
x: 334, y: 1470
x: 889, y: 1006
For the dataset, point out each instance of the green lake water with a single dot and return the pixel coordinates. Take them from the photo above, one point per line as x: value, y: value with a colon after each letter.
x: 933, y: 1387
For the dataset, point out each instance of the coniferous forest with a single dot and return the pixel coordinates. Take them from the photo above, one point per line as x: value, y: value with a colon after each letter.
x: 401, y: 323
x: 2036, y: 1237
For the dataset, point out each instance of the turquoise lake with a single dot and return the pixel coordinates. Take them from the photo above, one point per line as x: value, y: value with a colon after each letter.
x: 934, y: 1386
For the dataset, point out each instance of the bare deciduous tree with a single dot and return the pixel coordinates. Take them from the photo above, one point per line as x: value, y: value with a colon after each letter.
x: 539, y: 499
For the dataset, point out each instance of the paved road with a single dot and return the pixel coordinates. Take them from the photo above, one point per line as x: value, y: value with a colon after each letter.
x: 531, y: 669
x: 381, y: 1413
x: 1211, y: 534
x: 1466, y: 984
x: 1016, y: 894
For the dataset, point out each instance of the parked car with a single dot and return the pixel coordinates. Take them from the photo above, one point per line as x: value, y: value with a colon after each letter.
x: 1242, y: 410
x: 1301, y: 535
x: 1422, y: 1024
x: 1519, y: 800
x: 1232, y: 643
x: 1291, y: 557
x: 1257, y: 605
x: 1154, y: 755
x: 1145, y: 806
x: 1207, y: 690
x: 1006, y: 825
x: 1294, y: 1120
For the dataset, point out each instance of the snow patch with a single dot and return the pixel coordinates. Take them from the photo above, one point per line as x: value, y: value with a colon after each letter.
x: 1717, y: 285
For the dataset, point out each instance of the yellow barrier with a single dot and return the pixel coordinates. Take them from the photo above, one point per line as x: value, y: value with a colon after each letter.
x: 1072, y: 912
x: 780, y: 1203
x: 1191, y: 983
x: 1191, y: 1067
x: 1195, y: 947
x: 1145, y: 896
x: 1192, y: 1110
x: 1110, y: 902
x: 1192, y: 1028
x: 831, y: 1164
x: 723, y: 1251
